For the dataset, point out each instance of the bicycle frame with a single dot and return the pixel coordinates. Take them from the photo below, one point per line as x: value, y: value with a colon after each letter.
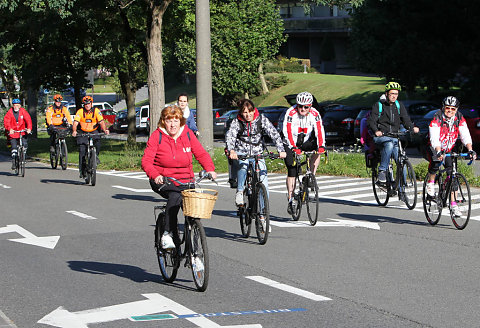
x: 20, y: 159
x: 447, y: 184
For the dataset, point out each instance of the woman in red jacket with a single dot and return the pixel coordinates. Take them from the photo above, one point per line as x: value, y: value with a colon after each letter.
x: 169, y: 154
x: 16, y: 119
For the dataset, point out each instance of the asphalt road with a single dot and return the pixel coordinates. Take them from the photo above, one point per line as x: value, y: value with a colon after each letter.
x: 361, y: 266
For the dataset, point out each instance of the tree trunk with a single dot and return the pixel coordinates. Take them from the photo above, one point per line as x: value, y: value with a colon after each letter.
x: 156, y: 84
x: 129, y: 92
x: 262, y: 79
x: 32, y: 103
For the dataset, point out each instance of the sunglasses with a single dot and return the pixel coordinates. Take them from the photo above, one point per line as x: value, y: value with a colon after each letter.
x: 450, y: 108
x: 304, y: 106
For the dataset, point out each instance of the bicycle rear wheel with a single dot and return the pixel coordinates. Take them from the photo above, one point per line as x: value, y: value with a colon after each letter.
x: 54, y: 157
x: 198, y: 256
x: 21, y: 162
x: 312, y: 199
x: 461, y: 195
x: 409, y: 184
x: 432, y: 206
x: 262, y: 220
x: 245, y: 218
x: 63, y: 154
x: 168, y: 260
x: 93, y: 167
x: 380, y: 192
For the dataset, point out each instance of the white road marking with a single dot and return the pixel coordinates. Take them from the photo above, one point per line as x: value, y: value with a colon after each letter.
x: 289, y: 289
x: 82, y: 215
x: 6, y: 320
x: 324, y: 224
x: 5, y: 186
x: 155, y: 303
x: 133, y: 189
x: 29, y: 238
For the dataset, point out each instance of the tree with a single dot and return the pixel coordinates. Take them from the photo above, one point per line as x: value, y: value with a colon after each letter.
x: 414, y: 42
x: 244, y: 35
x: 156, y: 84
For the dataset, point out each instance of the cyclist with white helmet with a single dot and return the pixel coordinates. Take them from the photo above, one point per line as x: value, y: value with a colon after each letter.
x: 447, y: 125
x: 302, y: 131
x: 386, y: 116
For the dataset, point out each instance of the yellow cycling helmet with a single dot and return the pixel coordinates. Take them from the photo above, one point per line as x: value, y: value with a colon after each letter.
x: 393, y: 86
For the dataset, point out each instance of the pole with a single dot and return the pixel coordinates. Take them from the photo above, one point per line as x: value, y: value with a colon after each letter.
x: 204, y: 74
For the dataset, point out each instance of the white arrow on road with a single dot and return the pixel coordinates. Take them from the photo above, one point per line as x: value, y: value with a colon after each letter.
x: 4, y: 186
x: 322, y: 224
x: 30, y: 238
x: 155, y: 303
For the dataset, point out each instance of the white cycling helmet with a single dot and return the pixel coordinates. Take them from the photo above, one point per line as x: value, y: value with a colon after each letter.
x: 304, y: 98
x: 451, y: 101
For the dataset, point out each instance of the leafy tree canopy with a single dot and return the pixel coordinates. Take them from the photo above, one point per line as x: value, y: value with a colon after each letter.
x: 243, y: 33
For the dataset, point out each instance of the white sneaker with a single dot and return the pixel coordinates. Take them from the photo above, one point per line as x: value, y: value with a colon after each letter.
x: 167, y: 241
x: 198, y: 264
x: 263, y: 222
x: 239, y: 198
x: 431, y: 189
x: 456, y: 211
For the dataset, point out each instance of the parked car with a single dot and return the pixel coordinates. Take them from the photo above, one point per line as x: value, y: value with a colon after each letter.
x: 358, y: 120
x: 424, y: 122
x: 120, y: 124
x: 109, y: 116
x: 72, y: 109
x: 142, y: 119
x: 472, y: 116
x: 102, y: 105
x: 222, y: 124
x: 273, y: 113
x: 338, y: 123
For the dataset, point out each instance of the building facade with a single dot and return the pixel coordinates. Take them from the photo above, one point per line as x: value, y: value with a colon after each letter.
x: 307, y: 30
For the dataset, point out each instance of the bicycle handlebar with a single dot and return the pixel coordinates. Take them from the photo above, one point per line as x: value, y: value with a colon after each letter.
x: 259, y: 156
x: 397, y: 134
x: 456, y: 155
x: 90, y: 134
x: 19, y: 131
x: 201, y: 176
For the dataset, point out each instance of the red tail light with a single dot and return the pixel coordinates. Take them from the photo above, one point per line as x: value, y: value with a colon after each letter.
x: 357, y: 122
x: 217, y: 115
x: 348, y: 120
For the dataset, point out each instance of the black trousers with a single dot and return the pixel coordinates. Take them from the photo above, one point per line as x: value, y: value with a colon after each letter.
x: 174, y: 201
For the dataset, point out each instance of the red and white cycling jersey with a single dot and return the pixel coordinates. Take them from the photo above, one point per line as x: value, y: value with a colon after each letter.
x: 295, y: 124
x: 445, y: 132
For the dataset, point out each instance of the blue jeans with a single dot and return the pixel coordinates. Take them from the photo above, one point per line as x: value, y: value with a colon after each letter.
x: 242, y: 174
x: 387, y: 146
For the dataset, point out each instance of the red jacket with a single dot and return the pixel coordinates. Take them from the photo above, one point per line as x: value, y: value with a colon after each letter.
x: 173, y: 158
x: 10, y: 123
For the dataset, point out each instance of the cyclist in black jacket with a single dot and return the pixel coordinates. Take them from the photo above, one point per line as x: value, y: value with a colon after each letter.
x: 386, y: 116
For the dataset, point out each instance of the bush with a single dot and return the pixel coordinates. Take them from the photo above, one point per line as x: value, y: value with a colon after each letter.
x: 276, y: 81
x: 281, y: 64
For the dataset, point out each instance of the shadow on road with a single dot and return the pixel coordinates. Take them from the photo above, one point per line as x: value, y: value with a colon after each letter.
x: 379, y: 219
x: 137, y: 197
x: 72, y: 182
x: 131, y: 272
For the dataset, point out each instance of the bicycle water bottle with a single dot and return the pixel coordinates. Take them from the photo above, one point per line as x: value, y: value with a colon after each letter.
x: 390, y: 173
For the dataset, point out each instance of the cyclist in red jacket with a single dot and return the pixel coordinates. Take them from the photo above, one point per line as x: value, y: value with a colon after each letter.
x: 169, y: 154
x: 16, y: 119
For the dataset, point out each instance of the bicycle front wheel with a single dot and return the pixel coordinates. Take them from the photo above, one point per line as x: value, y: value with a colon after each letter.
x: 168, y: 260
x: 432, y: 206
x: 245, y: 218
x: 379, y: 191
x: 262, y: 222
x: 311, y: 193
x: 93, y: 167
x: 409, y: 185
x: 63, y: 155
x: 198, y: 256
x: 54, y: 157
x: 460, y: 193
x: 297, y: 201
x: 21, y: 162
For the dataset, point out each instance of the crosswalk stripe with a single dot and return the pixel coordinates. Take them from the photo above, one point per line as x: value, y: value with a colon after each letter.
x: 344, y: 191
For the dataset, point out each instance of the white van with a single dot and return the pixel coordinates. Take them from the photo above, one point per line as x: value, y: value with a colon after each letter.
x: 102, y: 105
x: 143, y: 119
x: 72, y: 109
